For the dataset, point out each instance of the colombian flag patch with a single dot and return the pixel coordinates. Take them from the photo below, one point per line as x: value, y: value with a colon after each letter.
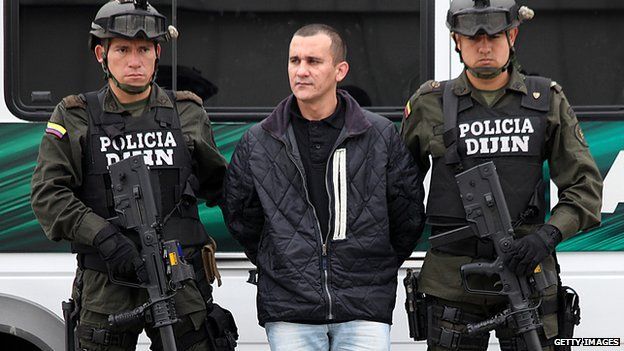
x: 408, y: 109
x: 56, y: 129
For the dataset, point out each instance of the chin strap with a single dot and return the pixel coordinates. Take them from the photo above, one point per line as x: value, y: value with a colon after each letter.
x: 487, y: 72
x: 131, y: 89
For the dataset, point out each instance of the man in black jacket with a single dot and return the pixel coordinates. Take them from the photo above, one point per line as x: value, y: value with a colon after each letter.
x: 325, y: 200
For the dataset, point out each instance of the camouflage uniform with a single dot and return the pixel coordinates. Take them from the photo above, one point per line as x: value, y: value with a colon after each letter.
x: 571, y: 166
x: 63, y: 216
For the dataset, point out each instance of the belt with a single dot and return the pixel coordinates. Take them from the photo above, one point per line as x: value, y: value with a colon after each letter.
x: 106, y: 336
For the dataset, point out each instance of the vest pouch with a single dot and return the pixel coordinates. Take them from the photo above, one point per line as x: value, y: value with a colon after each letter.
x: 221, y: 328
x: 444, y: 187
x: 521, y: 183
x: 169, y: 189
x: 204, y: 285
x: 95, y: 189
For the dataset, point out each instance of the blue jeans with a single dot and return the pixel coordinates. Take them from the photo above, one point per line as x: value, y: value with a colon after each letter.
x: 347, y: 336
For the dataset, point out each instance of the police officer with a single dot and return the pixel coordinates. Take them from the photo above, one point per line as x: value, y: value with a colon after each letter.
x: 71, y: 194
x: 492, y: 112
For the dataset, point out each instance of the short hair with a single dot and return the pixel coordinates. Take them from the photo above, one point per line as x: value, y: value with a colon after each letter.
x: 338, y: 46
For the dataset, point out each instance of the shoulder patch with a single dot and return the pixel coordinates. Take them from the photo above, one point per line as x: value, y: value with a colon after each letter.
x: 56, y: 130
x: 74, y: 101
x: 554, y: 85
x: 578, y: 132
x: 188, y: 95
x: 429, y: 86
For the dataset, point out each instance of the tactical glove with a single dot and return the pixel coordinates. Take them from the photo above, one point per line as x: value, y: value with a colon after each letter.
x: 120, y: 254
x: 527, y: 252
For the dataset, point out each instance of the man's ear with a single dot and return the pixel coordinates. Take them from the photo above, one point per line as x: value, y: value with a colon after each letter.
x: 158, y: 49
x: 341, y: 71
x: 100, y: 52
x: 513, y: 35
x: 456, y: 40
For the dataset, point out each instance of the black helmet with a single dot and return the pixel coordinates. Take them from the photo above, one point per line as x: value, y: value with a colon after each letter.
x: 471, y: 17
x: 128, y: 19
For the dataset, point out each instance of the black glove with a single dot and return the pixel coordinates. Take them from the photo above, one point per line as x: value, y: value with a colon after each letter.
x: 527, y: 252
x: 120, y: 254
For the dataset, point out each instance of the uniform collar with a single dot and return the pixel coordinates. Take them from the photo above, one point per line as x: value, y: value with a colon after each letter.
x: 157, y: 98
x: 516, y: 83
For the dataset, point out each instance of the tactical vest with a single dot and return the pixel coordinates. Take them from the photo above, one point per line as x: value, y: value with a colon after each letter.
x: 158, y: 136
x: 513, y: 138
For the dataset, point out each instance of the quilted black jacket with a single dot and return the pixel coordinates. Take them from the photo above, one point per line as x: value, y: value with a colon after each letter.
x: 376, y: 218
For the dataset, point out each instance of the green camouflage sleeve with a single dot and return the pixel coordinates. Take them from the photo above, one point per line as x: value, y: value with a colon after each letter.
x: 57, y: 174
x: 573, y: 170
x: 209, y: 164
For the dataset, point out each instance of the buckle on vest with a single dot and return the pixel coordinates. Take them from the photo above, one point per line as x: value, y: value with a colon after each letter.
x: 451, y: 314
x: 449, y: 339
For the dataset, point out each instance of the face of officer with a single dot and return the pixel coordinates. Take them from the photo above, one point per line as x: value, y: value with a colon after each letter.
x: 486, y: 51
x: 312, y: 70
x: 131, y: 62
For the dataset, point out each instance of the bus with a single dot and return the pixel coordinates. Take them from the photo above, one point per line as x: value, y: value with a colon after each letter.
x: 233, y: 54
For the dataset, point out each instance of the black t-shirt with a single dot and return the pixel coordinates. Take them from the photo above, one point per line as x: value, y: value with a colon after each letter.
x: 315, y: 140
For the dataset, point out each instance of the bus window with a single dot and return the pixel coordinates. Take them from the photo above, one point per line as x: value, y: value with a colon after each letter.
x: 241, y: 47
x: 576, y: 43
x: 231, y: 53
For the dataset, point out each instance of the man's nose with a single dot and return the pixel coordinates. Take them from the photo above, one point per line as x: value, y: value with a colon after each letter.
x: 134, y: 59
x: 303, y: 69
x: 484, y: 44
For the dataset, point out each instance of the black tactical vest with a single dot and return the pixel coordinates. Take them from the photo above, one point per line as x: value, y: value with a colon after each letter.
x: 513, y: 139
x: 158, y: 136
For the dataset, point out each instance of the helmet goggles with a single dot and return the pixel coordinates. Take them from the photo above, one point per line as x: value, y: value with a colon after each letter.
x: 131, y: 25
x: 476, y: 22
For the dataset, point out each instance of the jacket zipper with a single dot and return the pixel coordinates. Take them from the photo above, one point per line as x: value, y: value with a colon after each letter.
x: 325, y: 243
x: 324, y: 264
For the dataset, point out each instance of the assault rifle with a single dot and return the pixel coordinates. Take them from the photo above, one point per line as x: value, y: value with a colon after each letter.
x: 488, y: 217
x: 135, y: 194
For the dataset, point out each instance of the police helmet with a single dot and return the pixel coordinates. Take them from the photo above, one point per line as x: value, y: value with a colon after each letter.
x: 472, y: 17
x: 128, y: 19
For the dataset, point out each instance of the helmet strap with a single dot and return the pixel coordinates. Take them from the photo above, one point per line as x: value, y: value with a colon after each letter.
x: 131, y: 89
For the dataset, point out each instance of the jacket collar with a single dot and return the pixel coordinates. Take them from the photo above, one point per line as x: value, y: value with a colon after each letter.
x: 279, y: 120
